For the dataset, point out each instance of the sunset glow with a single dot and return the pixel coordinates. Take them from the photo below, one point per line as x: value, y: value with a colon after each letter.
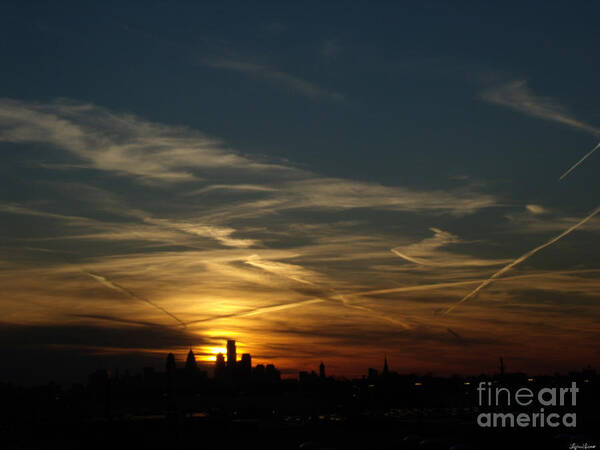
x: 210, y: 353
x: 328, y: 193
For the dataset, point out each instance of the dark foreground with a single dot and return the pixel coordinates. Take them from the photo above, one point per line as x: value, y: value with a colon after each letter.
x: 421, y: 431
x: 195, y: 412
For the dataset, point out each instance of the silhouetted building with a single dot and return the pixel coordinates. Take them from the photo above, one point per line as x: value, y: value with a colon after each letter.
x: 322, y: 370
x: 308, y: 377
x: 170, y: 364
x: 231, y: 354
x: 232, y: 371
x: 148, y: 373
x: 271, y: 373
x: 385, y: 366
x: 99, y: 379
x: 588, y: 372
x: 190, y: 363
x: 99, y: 385
x: 151, y: 378
x: 259, y: 372
x: 245, y: 366
x: 192, y: 375
x: 372, y: 374
x: 220, y: 366
x: 171, y: 370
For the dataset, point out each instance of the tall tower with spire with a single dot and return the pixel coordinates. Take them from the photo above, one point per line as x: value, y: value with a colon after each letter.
x: 322, y: 370
x: 190, y: 363
x: 385, y: 365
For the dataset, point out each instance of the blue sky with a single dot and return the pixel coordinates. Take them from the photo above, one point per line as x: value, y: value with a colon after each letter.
x: 224, y: 158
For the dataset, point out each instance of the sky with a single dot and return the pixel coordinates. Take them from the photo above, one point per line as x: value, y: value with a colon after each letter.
x: 319, y: 181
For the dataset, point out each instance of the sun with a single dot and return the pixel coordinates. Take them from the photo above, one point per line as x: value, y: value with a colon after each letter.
x: 209, y: 352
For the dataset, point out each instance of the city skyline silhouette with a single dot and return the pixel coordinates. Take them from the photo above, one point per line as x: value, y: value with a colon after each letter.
x: 320, y: 218
x: 382, y: 409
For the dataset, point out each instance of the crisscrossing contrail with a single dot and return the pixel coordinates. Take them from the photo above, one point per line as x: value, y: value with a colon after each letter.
x: 522, y: 258
x: 112, y: 285
x: 586, y: 156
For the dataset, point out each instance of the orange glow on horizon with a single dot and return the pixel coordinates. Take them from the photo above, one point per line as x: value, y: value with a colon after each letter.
x: 209, y: 353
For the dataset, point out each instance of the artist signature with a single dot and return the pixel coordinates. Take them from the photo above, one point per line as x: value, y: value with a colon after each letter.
x: 585, y: 446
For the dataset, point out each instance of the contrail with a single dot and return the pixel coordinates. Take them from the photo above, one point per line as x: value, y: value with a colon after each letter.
x: 324, y: 293
x: 434, y: 286
x: 522, y: 258
x: 346, y: 303
x: 410, y: 258
x: 272, y: 266
x: 261, y: 310
x: 579, y: 162
x: 333, y: 295
x: 280, y: 307
x: 117, y: 319
x: 371, y: 311
x: 456, y: 335
x: 283, y: 306
x: 112, y: 285
x: 417, y: 287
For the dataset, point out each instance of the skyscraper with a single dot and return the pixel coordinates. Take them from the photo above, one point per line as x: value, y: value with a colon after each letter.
x: 220, y: 366
x: 271, y: 373
x: 246, y: 360
x: 259, y: 372
x: 171, y: 371
x: 322, y: 370
x: 231, y: 354
x: 170, y: 364
x: 190, y: 363
x: 372, y: 374
x: 245, y: 366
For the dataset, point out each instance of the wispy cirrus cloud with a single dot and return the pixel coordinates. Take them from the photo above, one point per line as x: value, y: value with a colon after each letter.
x: 226, y: 241
x: 292, y: 271
x: 427, y: 252
x: 536, y: 209
x: 311, y: 192
x: 197, y: 228
x: 518, y: 96
x: 233, y: 188
x: 540, y: 219
x: 120, y: 143
x: 12, y: 208
x: 340, y: 193
x: 330, y: 48
x: 148, y: 229
x: 128, y: 145
x: 297, y: 84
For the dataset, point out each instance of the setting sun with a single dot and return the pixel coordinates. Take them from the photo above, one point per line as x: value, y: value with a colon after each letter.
x: 209, y: 353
